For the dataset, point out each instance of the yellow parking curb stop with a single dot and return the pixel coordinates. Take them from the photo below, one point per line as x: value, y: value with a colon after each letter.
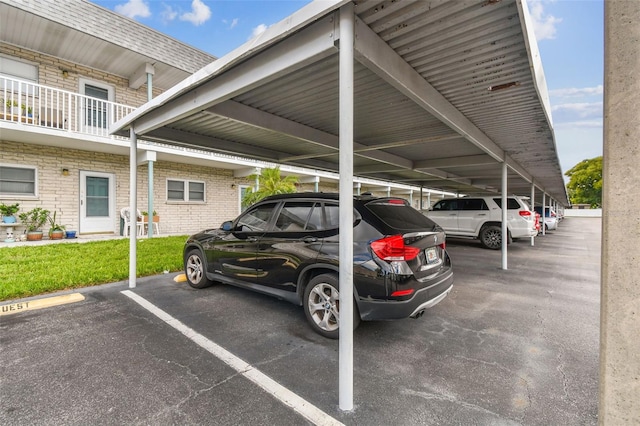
x: 180, y: 278
x: 14, y: 308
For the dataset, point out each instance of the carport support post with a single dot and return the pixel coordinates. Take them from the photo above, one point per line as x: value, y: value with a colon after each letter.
x: 345, y: 359
x: 533, y: 208
x: 620, y: 290
x: 544, y: 201
x: 504, y: 231
x: 133, y: 206
x: 150, y: 201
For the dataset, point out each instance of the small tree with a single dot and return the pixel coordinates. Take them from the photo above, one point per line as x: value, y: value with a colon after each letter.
x: 270, y: 182
x: 585, y: 184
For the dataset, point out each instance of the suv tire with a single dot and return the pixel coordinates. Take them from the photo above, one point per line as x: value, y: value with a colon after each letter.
x: 322, y: 306
x: 491, y: 237
x: 195, y: 270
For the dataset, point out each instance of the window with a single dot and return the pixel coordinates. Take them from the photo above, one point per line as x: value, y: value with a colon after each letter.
x: 446, y: 205
x: 256, y: 219
x: 18, y: 181
x: 185, y: 190
x: 18, y: 70
x: 332, y: 216
x: 472, y: 204
x: 512, y: 203
x: 95, y: 105
x: 293, y: 216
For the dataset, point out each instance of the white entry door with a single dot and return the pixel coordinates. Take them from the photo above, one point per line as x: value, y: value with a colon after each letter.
x: 97, y: 202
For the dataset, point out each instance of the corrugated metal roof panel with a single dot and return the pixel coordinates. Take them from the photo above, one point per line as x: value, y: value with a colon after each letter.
x: 487, y: 101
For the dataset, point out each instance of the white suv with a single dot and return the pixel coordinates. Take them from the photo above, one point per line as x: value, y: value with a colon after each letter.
x: 481, y: 218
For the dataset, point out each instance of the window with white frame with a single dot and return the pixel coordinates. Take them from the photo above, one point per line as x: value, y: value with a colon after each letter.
x: 185, y: 190
x: 19, y: 76
x: 95, y: 104
x: 18, y: 181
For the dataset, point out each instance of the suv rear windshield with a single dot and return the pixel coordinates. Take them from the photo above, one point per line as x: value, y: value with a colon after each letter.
x: 512, y: 203
x: 396, y: 214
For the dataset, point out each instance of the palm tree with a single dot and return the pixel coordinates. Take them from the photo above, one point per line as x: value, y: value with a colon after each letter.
x: 270, y: 182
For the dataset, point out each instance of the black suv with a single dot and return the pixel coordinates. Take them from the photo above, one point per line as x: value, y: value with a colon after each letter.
x: 287, y: 246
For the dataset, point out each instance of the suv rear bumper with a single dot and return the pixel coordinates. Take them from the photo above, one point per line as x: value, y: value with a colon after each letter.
x: 371, y: 310
x: 523, y: 232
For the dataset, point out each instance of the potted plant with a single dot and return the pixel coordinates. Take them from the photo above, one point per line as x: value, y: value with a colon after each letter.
x: 12, y: 106
x: 33, y: 221
x: 145, y: 217
x: 28, y: 111
x: 56, y: 231
x: 8, y: 211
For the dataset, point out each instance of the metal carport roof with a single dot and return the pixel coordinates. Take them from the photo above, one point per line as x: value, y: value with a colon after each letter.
x: 444, y: 94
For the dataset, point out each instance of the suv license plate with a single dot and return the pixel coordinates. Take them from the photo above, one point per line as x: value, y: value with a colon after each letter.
x: 432, y: 255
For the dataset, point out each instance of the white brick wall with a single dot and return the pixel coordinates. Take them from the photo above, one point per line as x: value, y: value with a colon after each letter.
x: 61, y: 193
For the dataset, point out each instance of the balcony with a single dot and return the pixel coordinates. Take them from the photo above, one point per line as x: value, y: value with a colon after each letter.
x: 47, y: 107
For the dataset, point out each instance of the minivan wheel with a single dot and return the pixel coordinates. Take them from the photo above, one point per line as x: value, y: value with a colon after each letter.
x: 322, y: 306
x: 194, y: 268
x: 491, y: 237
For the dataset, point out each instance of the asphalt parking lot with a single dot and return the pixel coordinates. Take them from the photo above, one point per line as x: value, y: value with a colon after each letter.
x: 516, y: 347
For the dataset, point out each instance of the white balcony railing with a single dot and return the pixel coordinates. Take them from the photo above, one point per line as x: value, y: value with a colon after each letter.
x: 36, y: 105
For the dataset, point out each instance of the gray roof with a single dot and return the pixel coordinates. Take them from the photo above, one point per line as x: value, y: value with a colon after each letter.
x: 84, y: 33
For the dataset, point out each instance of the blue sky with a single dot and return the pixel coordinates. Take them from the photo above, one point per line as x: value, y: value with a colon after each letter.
x: 569, y: 33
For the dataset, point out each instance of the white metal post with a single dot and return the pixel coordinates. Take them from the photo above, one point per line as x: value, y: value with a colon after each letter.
x: 150, y: 200
x: 150, y: 170
x: 505, y: 231
x: 345, y: 368
x: 544, y: 201
x: 133, y: 206
x: 533, y: 208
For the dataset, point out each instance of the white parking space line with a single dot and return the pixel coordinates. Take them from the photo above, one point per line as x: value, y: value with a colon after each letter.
x: 284, y: 395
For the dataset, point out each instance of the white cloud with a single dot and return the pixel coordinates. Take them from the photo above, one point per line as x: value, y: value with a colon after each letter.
x: 579, y: 109
x: 168, y: 14
x: 133, y: 8
x: 584, y: 124
x: 577, y: 92
x: 544, y: 25
x: 200, y: 13
x: 231, y: 24
x: 258, y: 30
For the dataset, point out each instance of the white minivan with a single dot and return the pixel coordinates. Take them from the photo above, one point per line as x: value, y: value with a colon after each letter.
x: 481, y: 217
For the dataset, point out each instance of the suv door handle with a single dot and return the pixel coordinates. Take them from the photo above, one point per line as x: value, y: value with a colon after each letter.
x: 252, y: 239
x: 482, y: 214
x: 309, y: 239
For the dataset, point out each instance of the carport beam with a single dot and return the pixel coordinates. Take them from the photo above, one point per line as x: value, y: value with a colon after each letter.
x: 345, y: 360
x: 133, y: 206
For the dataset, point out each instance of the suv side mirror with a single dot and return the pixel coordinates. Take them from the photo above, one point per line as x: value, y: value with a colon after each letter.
x: 227, y: 226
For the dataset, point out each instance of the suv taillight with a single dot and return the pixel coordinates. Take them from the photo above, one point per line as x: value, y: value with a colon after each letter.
x: 393, y: 248
x: 525, y: 214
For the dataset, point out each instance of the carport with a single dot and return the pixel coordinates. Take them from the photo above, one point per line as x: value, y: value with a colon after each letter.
x: 445, y: 95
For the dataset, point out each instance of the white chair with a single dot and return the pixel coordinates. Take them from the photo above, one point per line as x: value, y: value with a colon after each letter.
x: 156, y: 226
x: 125, y: 214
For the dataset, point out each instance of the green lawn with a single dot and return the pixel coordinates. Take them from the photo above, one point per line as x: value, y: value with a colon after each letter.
x: 28, y: 271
